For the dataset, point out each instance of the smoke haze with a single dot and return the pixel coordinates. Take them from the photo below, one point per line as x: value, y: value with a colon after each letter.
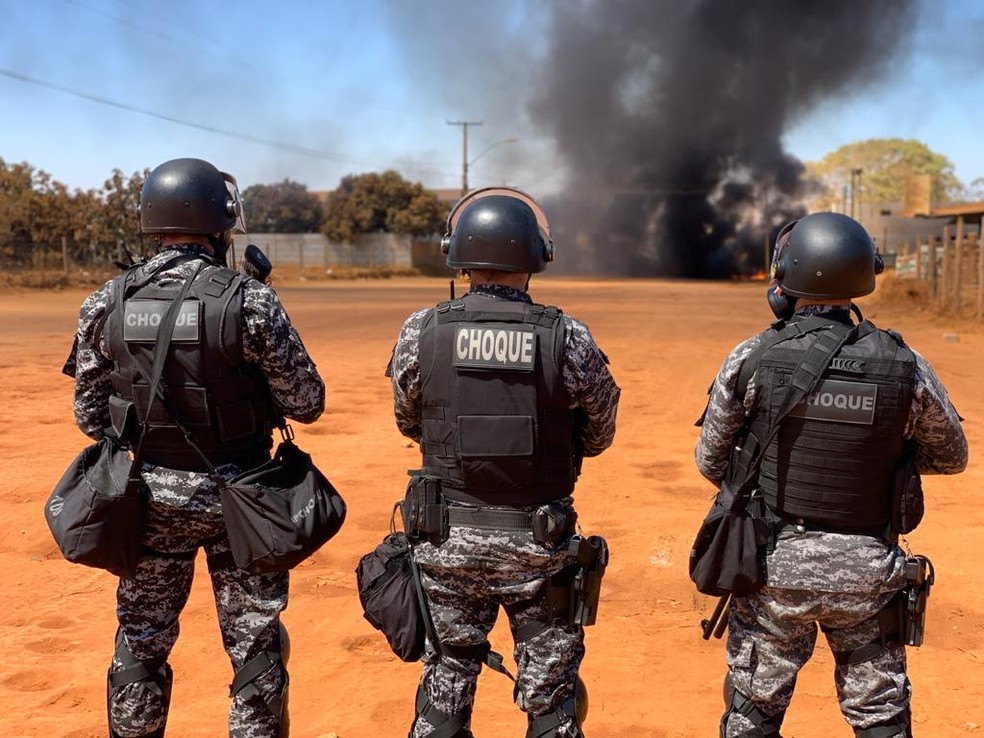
x: 668, y: 117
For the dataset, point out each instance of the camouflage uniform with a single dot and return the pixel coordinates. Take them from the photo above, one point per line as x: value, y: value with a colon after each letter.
x: 838, y: 580
x: 184, y: 512
x: 475, y: 570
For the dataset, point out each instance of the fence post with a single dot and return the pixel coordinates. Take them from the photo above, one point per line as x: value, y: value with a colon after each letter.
x: 947, y: 276
x: 65, y: 255
x: 933, y: 268
x: 958, y: 264
x: 980, y: 269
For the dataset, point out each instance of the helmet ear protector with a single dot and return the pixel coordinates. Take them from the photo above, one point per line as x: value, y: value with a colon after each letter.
x: 782, y: 305
x: 541, y: 218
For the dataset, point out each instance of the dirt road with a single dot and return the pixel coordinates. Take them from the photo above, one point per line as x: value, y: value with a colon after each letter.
x: 648, y: 670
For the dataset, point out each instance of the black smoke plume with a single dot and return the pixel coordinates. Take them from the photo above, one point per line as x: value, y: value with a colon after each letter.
x: 669, y: 117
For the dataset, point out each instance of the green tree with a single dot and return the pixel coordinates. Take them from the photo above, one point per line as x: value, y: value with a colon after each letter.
x: 37, y: 212
x: 285, y: 207
x: 885, y: 164
x: 16, y: 192
x: 381, y: 203
x: 119, y: 219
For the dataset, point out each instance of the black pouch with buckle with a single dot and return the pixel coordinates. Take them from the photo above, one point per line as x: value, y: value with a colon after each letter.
x: 424, y: 511
x: 908, y: 504
x: 553, y: 523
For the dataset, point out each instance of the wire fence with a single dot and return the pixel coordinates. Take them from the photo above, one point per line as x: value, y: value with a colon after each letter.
x: 305, y: 253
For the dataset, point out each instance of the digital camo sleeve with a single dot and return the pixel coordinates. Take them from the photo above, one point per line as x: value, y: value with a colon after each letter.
x: 724, y: 415
x: 270, y: 341
x: 92, y: 386
x: 404, y: 372
x: 591, y: 387
x: 934, y: 425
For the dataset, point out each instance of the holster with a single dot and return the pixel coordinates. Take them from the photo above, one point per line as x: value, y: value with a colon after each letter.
x: 919, y: 577
x: 573, y: 592
x: 424, y: 511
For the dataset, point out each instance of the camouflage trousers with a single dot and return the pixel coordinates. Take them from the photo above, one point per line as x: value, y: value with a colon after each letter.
x: 150, y: 604
x: 466, y: 579
x: 772, y: 633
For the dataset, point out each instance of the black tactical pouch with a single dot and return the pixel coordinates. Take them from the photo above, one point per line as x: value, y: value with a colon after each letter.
x: 553, y: 523
x: 908, y: 504
x: 919, y: 577
x: 425, y: 514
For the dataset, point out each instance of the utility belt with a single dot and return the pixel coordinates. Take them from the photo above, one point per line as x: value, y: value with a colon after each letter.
x: 778, y: 524
x: 427, y: 516
x: 573, y: 593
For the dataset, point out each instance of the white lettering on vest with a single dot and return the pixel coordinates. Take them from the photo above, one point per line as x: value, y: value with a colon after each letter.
x: 840, y: 401
x: 527, y: 355
x: 495, y: 347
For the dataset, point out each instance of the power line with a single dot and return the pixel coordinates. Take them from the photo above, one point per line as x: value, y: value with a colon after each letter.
x: 273, y: 143
x: 182, y: 38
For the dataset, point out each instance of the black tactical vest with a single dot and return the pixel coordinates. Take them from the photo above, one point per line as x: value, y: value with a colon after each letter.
x: 220, y: 398
x: 496, y: 421
x: 832, y: 461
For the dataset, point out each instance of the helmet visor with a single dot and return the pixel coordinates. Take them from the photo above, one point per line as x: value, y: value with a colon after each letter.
x: 541, y: 218
x: 235, y: 204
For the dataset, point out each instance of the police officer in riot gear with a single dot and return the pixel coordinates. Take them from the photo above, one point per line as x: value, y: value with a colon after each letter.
x: 505, y: 396
x: 825, y: 486
x: 241, y: 366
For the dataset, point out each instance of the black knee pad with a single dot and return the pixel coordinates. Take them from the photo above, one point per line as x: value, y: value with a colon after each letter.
x: 148, y: 675
x: 445, y: 725
x: 765, y: 726
x: 900, y: 723
x: 260, y: 664
x: 551, y: 724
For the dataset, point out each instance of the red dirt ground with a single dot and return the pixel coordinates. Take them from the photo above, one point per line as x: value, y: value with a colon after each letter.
x: 648, y: 671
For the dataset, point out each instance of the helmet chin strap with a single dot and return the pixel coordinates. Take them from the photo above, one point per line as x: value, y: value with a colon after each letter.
x: 220, y: 245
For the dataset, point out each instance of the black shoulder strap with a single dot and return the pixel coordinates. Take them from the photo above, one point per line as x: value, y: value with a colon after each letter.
x: 784, y: 332
x: 164, y: 333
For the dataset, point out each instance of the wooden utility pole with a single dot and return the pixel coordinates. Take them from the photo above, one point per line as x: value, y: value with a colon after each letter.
x: 464, y: 149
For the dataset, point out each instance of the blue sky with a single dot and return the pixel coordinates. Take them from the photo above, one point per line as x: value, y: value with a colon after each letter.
x: 317, y: 90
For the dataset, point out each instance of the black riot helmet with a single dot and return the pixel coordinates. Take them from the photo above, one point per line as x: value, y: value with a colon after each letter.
x: 189, y: 196
x: 498, y: 228
x: 822, y: 256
